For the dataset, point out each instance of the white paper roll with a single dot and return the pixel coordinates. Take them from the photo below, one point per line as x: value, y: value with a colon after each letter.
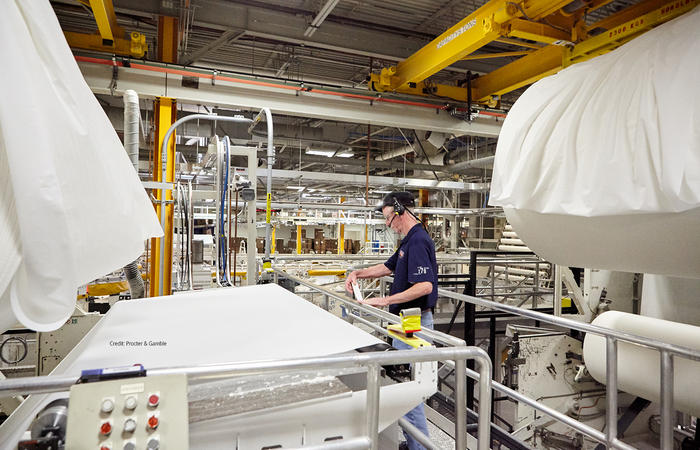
x: 662, y: 243
x: 639, y: 367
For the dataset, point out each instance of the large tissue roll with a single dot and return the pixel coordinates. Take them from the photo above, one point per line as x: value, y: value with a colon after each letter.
x: 660, y: 243
x: 639, y: 368
x: 599, y: 165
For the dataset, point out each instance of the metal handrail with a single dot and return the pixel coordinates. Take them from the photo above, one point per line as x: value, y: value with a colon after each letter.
x: 372, y: 361
x: 435, y: 336
x: 667, y: 351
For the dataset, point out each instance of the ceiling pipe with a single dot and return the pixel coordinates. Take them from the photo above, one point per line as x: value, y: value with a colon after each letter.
x: 394, y: 153
x: 474, y: 163
x: 393, y: 165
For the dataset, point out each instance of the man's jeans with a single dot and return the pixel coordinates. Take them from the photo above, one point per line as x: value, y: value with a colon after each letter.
x: 416, y: 416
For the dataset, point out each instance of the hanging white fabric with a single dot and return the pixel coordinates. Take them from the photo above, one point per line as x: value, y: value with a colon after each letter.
x: 599, y: 165
x: 71, y: 206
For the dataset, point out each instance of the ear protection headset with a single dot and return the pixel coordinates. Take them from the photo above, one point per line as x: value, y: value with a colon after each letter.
x: 399, y: 209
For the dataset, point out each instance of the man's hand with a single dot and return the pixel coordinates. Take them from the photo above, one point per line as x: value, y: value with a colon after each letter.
x: 376, y: 301
x: 352, y: 278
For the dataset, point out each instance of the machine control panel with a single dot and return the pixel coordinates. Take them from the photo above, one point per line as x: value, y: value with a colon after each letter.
x: 144, y: 413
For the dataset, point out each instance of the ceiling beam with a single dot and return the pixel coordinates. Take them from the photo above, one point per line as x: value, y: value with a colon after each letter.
x: 225, y: 38
x: 320, y: 17
x: 395, y: 182
x: 150, y: 81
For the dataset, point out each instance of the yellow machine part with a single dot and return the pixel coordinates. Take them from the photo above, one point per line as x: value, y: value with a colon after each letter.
x: 410, y: 324
x: 98, y: 290
x: 322, y: 272
x: 396, y: 332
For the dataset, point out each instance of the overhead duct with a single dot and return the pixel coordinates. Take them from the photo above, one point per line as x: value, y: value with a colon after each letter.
x: 131, y: 146
x: 437, y: 139
x: 394, y: 153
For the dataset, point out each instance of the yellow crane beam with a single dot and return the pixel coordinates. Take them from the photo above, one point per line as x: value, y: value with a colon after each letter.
x: 109, y: 37
x: 528, y: 69
x: 496, y: 55
x: 497, y: 20
x: 628, y: 30
x: 106, y: 19
x: 538, y: 32
x: 484, y: 25
x: 629, y: 13
x: 135, y: 47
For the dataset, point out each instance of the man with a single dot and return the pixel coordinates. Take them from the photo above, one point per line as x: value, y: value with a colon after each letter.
x: 415, y: 278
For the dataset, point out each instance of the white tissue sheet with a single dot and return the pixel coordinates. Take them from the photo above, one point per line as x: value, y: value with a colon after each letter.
x: 72, y: 206
x: 599, y: 165
x: 639, y: 368
x: 253, y: 323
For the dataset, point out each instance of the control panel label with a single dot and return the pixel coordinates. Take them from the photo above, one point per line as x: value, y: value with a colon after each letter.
x: 131, y: 388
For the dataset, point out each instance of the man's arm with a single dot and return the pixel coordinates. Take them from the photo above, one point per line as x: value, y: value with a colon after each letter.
x: 380, y: 270
x: 412, y: 293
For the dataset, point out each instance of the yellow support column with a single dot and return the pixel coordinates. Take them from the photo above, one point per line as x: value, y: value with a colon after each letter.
x: 165, y: 116
x: 273, y: 246
x: 167, y: 39
x: 341, y: 235
x: 423, y: 201
x: 298, y: 239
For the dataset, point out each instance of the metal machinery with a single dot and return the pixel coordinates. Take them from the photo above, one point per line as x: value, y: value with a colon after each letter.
x: 241, y: 392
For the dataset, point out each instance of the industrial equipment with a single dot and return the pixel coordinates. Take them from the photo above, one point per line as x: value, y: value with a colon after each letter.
x: 254, y: 323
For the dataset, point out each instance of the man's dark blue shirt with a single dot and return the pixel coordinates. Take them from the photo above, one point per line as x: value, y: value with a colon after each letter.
x: 413, y: 263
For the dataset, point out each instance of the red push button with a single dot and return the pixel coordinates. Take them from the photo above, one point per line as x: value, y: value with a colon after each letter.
x: 153, y: 400
x: 105, y: 428
x: 153, y: 422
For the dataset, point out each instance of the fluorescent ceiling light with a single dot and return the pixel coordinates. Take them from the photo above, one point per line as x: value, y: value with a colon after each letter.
x: 299, y: 188
x: 328, y: 153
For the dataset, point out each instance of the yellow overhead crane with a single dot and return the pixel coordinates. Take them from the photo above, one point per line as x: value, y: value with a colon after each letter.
x: 563, y: 37
x: 109, y: 37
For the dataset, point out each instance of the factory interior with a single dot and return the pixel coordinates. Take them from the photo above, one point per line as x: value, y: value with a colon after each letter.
x: 186, y: 186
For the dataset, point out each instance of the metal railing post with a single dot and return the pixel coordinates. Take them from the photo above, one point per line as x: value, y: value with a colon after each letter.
x: 485, y: 381
x: 557, y: 290
x: 611, y: 390
x: 460, y: 405
x: 666, y: 400
x: 372, y: 417
x: 325, y: 302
